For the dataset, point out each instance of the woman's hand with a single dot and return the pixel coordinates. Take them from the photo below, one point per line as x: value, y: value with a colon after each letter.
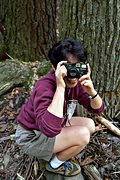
x: 87, y: 83
x: 60, y: 73
x: 56, y: 106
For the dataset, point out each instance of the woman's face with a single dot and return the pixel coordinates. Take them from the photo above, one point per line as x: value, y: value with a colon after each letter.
x: 71, y: 82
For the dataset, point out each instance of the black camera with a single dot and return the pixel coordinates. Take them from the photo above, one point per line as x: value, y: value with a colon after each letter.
x: 76, y: 70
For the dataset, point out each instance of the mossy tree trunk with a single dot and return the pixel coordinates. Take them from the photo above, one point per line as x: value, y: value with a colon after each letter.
x: 27, y: 28
x: 97, y: 24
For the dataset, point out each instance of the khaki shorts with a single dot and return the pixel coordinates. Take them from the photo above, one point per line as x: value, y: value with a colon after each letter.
x: 35, y: 143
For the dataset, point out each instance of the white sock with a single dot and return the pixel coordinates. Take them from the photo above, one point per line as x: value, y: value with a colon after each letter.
x: 55, y: 162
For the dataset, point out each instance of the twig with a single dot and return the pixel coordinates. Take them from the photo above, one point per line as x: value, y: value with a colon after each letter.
x: 29, y: 169
x: 18, y: 171
x: 11, y: 137
x: 109, y: 125
x: 118, y: 172
x: 40, y: 175
x: 20, y: 177
x: 10, y: 56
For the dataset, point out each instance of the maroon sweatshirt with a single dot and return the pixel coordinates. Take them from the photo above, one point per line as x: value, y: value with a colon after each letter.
x: 34, y: 113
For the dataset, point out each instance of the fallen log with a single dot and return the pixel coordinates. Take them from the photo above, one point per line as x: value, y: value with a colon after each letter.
x: 13, y: 73
x: 108, y: 125
x: 92, y: 173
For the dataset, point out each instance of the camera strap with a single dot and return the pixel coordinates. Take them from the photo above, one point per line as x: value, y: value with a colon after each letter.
x: 66, y: 108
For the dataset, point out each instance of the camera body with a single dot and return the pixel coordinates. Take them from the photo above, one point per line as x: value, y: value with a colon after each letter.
x: 76, y: 70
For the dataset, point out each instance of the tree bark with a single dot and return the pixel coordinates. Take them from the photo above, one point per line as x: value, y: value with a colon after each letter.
x: 30, y: 27
x: 97, y: 24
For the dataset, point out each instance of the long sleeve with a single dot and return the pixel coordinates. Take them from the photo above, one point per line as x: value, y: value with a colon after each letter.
x: 48, y: 123
x: 84, y: 99
x: 34, y: 113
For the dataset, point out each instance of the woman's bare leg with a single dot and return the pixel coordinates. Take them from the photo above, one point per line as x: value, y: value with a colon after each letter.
x: 83, y: 121
x: 73, y: 139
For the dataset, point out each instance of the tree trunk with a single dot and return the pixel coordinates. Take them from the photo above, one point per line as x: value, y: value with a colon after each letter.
x: 97, y: 24
x: 27, y: 28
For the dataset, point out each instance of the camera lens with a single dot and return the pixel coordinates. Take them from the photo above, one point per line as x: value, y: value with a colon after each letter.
x: 73, y: 72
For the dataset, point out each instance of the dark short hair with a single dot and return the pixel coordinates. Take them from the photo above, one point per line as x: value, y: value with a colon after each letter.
x: 63, y: 48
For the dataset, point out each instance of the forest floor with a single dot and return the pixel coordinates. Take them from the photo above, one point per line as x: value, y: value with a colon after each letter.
x: 103, y: 151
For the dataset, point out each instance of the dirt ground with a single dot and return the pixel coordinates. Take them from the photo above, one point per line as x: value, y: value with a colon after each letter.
x: 103, y: 151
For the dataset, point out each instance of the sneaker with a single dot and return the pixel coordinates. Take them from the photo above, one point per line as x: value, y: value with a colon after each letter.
x: 68, y: 168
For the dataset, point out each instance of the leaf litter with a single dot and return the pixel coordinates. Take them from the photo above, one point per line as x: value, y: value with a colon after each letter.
x: 103, y: 151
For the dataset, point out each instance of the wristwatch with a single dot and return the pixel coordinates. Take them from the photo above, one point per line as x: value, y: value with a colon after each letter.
x: 92, y: 97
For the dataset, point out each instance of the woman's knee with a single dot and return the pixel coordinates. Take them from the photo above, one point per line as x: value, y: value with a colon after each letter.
x: 72, y: 136
x: 91, y: 125
x: 82, y: 135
